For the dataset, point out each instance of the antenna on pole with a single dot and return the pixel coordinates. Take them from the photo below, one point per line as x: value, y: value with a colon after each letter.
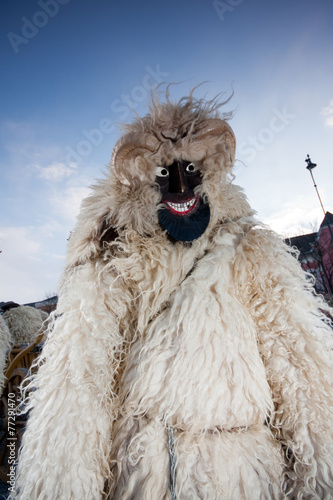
x: 310, y: 167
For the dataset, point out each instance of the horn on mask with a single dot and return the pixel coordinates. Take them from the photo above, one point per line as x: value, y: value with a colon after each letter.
x: 130, y: 146
x: 218, y: 131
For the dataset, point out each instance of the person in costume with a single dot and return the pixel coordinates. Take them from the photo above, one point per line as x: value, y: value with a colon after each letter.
x: 188, y: 357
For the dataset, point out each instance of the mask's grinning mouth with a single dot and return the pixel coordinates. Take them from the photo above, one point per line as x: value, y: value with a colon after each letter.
x: 183, y: 208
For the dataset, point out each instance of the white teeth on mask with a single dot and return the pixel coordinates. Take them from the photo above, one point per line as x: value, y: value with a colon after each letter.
x: 182, y: 207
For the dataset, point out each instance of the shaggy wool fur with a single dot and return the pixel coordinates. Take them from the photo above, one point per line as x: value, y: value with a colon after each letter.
x: 25, y: 323
x: 5, y: 345
x: 221, y: 340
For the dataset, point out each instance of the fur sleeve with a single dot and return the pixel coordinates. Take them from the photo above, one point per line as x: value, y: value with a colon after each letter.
x: 66, y: 443
x: 295, y: 340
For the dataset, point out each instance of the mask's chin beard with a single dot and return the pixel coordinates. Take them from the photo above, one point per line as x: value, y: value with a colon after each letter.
x: 185, y: 227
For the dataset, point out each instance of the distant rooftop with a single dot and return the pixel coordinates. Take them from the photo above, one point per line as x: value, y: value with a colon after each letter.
x: 328, y: 219
x: 46, y: 302
x: 50, y: 301
x: 303, y: 242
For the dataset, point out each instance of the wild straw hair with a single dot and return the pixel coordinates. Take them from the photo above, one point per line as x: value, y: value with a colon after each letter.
x: 222, y: 341
x: 25, y: 323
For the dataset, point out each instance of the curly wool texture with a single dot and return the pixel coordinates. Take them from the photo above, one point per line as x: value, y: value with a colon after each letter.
x: 5, y: 345
x: 25, y: 323
x: 222, y: 340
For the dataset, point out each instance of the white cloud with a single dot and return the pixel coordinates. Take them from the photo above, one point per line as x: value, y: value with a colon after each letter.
x: 15, y: 239
x: 67, y: 202
x: 22, y: 142
x: 27, y: 268
x: 328, y: 113
x: 56, y: 172
x: 300, y: 216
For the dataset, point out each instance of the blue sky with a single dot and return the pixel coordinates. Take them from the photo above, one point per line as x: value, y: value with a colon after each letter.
x: 73, y: 69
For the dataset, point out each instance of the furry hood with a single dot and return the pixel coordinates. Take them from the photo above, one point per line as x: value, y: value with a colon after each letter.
x: 126, y: 200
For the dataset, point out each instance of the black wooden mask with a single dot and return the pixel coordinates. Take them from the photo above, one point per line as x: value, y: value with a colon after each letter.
x: 184, y: 215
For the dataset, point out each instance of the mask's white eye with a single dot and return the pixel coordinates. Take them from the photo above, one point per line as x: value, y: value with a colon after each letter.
x: 191, y: 168
x: 162, y: 172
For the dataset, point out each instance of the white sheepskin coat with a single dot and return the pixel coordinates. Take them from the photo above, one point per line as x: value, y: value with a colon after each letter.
x: 5, y: 345
x: 220, y: 341
x: 25, y: 323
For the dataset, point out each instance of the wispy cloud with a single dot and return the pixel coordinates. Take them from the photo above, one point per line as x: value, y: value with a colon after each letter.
x: 26, y: 266
x: 300, y: 216
x: 30, y: 154
x: 327, y: 112
x: 46, y: 193
x: 66, y: 202
x: 56, y: 172
x: 57, y: 187
x: 12, y: 239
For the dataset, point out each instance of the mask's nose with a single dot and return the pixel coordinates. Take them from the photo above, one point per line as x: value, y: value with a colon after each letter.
x: 177, y: 178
